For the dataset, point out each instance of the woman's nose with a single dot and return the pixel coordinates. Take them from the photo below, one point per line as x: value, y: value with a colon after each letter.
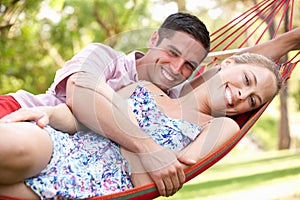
x: 244, y: 93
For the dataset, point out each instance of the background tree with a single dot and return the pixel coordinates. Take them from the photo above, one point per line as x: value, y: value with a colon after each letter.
x: 284, y: 137
x: 38, y: 36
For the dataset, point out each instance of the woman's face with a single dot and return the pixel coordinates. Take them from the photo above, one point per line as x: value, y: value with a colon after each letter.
x: 243, y: 87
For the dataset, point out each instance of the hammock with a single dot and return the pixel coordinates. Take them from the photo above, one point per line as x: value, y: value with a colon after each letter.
x: 254, y: 23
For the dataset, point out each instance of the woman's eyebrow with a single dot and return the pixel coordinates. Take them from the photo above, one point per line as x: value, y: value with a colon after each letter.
x: 255, y: 83
x: 260, y: 99
x: 254, y: 78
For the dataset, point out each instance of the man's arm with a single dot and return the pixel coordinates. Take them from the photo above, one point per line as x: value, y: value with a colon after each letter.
x: 277, y: 47
x: 104, y: 111
x: 273, y: 49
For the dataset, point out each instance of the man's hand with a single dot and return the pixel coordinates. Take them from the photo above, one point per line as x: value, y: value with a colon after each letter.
x: 160, y: 163
x: 163, y: 168
x: 27, y: 114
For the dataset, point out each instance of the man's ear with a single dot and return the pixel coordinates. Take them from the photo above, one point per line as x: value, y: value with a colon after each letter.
x: 153, y: 39
x: 227, y: 62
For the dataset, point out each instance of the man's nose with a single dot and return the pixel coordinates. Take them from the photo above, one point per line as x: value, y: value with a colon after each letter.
x: 177, y: 65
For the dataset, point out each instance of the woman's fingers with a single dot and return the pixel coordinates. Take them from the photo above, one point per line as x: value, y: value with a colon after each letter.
x: 27, y: 114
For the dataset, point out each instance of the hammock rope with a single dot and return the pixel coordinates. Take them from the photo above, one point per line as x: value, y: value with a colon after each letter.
x: 249, y: 24
x: 267, y: 11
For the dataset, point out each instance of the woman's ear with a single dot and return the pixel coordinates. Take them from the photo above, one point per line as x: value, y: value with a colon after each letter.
x: 227, y: 62
x: 153, y: 39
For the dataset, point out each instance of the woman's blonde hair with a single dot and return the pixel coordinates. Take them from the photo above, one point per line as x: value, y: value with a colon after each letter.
x: 261, y: 61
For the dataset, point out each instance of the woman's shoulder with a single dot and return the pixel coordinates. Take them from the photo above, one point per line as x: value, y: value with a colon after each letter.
x: 152, y: 87
x: 128, y: 90
x: 226, y: 123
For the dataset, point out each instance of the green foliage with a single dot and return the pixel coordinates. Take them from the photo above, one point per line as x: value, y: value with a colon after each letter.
x: 244, y: 174
x: 42, y: 35
x: 18, y: 47
x: 265, y: 132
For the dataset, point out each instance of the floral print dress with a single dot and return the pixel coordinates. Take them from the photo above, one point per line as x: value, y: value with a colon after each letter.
x: 86, y: 164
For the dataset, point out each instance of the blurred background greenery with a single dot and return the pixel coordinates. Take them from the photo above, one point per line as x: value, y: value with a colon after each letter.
x: 38, y: 36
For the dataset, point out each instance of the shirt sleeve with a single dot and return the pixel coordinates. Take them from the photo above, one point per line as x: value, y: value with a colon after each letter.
x: 95, y: 58
x: 176, y: 90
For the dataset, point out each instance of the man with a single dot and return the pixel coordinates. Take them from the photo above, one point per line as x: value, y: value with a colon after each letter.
x: 170, y: 60
x: 175, y: 51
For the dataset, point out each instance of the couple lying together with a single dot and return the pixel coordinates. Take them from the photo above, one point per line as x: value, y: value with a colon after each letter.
x: 46, y: 153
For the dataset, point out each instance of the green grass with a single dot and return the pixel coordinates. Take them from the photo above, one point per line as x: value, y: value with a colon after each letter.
x: 237, y: 174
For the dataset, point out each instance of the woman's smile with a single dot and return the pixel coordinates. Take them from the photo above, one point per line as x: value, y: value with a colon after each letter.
x: 229, y: 96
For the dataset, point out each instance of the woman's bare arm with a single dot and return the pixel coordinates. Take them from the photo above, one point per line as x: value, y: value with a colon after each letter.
x: 211, y: 138
x: 62, y: 118
x: 98, y: 107
x: 59, y: 117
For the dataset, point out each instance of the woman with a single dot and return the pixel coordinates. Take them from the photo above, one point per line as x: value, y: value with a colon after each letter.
x: 85, y: 164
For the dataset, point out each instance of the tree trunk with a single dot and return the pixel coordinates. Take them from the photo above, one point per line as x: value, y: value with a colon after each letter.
x: 181, y: 5
x: 284, y: 129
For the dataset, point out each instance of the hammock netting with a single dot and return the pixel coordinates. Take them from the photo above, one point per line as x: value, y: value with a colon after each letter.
x: 260, y: 23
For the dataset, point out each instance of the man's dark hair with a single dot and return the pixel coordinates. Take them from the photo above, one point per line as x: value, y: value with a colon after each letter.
x: 186, y: 23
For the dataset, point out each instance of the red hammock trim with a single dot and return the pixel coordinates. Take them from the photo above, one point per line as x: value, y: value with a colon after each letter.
x: 235, y: 19
x: 260, y: 13
x: 253, y: 10
x: 204, y: 164
x: 267, y: 13
x: 149, y: 191
x: 271, y: 21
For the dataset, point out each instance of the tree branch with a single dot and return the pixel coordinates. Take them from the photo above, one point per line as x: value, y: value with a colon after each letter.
x: 99, y: 20
x: 52, y: 52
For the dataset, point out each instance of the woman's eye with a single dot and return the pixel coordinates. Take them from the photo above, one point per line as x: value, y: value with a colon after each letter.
x: 247, y: 81
x: 252, y: 101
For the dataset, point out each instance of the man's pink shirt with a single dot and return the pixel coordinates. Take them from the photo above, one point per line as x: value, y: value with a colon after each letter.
x: 115, y: 68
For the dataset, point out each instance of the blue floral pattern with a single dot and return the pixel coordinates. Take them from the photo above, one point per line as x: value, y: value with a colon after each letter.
x: 86, y: 164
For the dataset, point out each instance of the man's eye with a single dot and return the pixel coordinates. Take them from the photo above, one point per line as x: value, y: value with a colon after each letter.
x: 173, y: 53
x: 190, y: 66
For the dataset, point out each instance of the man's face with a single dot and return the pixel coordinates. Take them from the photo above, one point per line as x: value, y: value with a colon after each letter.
x: 174, y: 59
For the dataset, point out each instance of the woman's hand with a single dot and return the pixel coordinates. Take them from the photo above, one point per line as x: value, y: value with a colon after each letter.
x: 59, y: 117
x: 28, y: 114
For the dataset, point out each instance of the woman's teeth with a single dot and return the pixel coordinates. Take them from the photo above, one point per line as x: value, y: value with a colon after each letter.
x: 228, y: 96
